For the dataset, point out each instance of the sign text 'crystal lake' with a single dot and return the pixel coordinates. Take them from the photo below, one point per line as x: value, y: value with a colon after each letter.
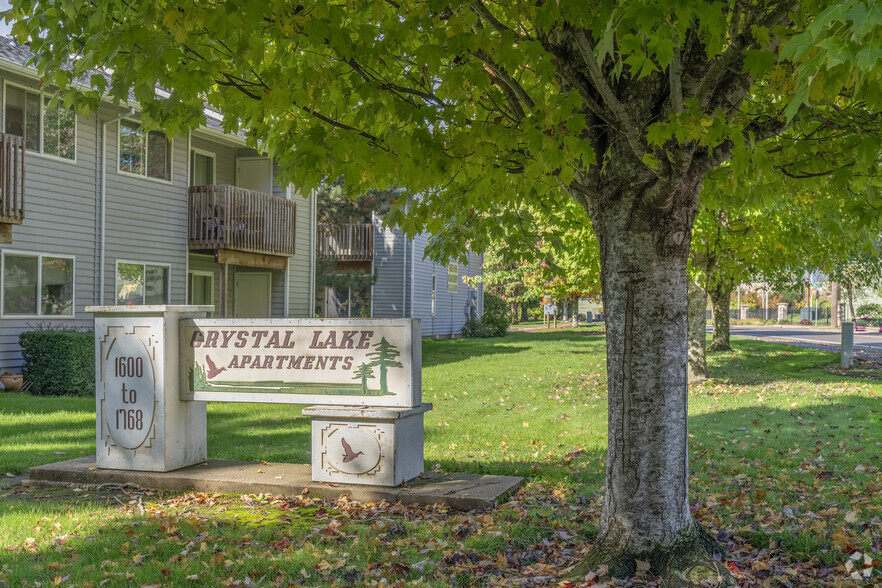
x: 310, y: 360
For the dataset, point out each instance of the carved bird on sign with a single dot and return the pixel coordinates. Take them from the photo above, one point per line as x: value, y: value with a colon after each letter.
x: 349, y: 455
x: 213, y: 370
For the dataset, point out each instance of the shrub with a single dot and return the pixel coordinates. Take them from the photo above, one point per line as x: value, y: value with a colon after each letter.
x: 494, y: 322
x: 496, y: 317
x: 59, y: 362
x: 869, y: 310
x: 474, y: 328
x: 805, y: 322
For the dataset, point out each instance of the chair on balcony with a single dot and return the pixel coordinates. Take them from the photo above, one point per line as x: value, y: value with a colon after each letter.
x: 210, y: 222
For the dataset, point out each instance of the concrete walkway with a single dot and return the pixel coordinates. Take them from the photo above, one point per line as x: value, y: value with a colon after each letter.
x: 457, y: 491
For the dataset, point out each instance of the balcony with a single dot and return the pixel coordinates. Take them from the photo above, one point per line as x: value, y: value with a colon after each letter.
x: 227, y: 218
x: 12, y: 177
x: 353, y: 242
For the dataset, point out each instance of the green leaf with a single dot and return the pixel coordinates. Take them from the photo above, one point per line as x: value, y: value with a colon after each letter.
x: 757, y: 63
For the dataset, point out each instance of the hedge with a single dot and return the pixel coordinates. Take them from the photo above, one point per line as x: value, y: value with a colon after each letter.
x: 58, y: 362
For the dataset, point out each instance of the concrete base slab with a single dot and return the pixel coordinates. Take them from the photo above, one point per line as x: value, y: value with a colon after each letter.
x: 458, y: 491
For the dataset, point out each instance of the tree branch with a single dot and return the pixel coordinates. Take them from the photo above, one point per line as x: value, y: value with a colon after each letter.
x: 632, y: 134
x: 382, y: 84
x: 809, y: 175
x: 734, y: 53
x: 500, y: 73
x: 675, y: 75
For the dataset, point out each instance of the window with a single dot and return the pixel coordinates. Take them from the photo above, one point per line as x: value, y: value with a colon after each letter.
x: 201, y: 168
x: 141, y: 283
x: 433, y: 295
x: 200, y: 290
x: 46, y: 129
x: 144, y: 154
x: 37, y: 285
x: 452, y: 277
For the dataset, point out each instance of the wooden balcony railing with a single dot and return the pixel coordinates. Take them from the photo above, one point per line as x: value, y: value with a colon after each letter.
x: 12, y: 176
x: 353, y: 242
x: 229, y: 217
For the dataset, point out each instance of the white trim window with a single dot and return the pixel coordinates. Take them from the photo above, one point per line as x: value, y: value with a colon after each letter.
x: 37, y: 285
x: 452, y: 277
x: 46, y: 129
x: 202, y: 168
x: 141, y: 283
x: 200, y: 289
x: 144, y: 154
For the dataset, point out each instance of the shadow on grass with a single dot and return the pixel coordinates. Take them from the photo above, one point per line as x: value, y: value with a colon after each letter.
x: 258, y: 432
x: 751, y: 362
x: 762, y: 472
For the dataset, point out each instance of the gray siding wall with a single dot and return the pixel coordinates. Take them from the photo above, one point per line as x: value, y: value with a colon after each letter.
x: 60, y: 212
x: 450, y: 308
x: 389, y: 294
x: 400, y: 269
x: 300, y: 273
x: 147, y: 219
x: 146, y: 222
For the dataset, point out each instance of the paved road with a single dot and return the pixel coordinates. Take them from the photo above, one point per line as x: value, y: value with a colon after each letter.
x: 869, y: 339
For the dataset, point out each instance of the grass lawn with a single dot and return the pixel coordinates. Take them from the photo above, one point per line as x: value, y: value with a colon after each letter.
x: 785, y: 457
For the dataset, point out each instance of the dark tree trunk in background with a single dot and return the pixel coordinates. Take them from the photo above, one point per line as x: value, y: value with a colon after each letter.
x: 720, y: 295
x: 697, y: 320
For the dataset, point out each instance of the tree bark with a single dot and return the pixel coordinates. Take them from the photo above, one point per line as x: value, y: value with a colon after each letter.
x: 697, y: 366
x: 575, y: 310
x: 646, y: 513
x: 720, y: 294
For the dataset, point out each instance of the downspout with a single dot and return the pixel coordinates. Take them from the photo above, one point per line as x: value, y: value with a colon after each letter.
x: 404, y: 272
x: 286, y: 306
x: 312, y: 257
x: 412, y: 272
x: 103, y: 203
x: 187, y: 231
x: 373, y: 258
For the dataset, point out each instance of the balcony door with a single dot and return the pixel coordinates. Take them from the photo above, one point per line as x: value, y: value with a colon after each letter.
x: 255, y: 173
x: 251, y: 295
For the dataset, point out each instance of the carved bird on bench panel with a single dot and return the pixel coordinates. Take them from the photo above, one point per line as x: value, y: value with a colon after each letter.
x: 349, y: 455
x: 213, y: 370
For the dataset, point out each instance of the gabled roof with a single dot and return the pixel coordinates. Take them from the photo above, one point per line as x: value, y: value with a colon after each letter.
x: 15, y: 53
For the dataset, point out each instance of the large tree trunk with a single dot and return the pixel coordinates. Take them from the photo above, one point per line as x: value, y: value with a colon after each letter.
x: 646, y: 507
x: 720, y: 294
x: 697, y: 366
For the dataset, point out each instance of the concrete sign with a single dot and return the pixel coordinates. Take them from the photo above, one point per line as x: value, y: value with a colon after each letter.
x: 141, y: 422
x: 303, y: 361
